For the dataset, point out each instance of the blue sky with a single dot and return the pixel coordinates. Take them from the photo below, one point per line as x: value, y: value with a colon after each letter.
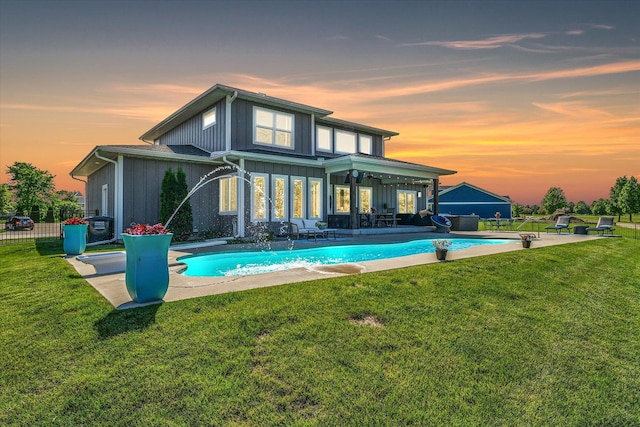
x: 517, y: 96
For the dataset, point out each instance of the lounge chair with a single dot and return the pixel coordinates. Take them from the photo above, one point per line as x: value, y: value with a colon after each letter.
x: 443, y: 224
x: 604, y: 225
x: 561, y: 224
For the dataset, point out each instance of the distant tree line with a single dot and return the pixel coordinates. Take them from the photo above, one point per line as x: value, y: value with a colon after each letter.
x: 31, y: 192
x: 624, y: 199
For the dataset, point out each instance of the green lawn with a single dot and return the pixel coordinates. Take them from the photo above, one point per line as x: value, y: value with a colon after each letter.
x: 548, y: 336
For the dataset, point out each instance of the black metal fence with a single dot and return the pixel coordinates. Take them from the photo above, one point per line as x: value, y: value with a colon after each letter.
x: 48, y: 228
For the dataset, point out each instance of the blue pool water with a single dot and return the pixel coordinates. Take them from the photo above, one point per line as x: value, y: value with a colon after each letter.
x: 247, y: 263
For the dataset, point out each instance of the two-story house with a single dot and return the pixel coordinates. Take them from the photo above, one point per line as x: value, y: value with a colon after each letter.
x: 266, y: 160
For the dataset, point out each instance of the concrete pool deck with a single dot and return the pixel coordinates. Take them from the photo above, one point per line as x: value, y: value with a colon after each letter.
x: 113, y: 288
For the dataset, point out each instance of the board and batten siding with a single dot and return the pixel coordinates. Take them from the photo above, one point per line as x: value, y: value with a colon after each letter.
x: 143, y: 182
x: 93, y: 199
x: 191, y: 132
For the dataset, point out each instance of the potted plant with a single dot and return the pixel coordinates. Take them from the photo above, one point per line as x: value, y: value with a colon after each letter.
x: 75, y: 235
x: 527, y: 238
x: 147, y: 261
x: 441, y: 246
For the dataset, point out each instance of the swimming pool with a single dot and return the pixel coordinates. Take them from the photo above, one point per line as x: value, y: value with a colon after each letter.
x: 247, y: 263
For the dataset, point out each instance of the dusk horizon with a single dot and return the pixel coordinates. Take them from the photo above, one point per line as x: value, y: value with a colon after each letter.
x: 515, y: 97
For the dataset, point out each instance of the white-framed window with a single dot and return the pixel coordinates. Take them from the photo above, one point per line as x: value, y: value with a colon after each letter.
x: 364, y: 199
x: 406, y: 201
x: 342, y: 197
x: 259, y: 195
x: 315, y: 198
x: 298, y: 197
x: 345, y: 142
x: 324, y: 139
x: 228, y: 201
x: 279, y: 192
x: 366, y: 144
x: 209, y: 118
x: 272, y: 127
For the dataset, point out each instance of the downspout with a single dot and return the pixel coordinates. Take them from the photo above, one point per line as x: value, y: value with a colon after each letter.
x: 227, y: 120
x: 85, y: 189
x: 241, y: 207
x: 117, y: 198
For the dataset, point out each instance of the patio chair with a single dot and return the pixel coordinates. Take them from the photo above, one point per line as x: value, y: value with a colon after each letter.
x: 443, y: 224
x: 604, y: 225
x: 561, y: 224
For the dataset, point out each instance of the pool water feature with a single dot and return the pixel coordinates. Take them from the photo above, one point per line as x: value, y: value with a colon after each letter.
x: 245, y: 263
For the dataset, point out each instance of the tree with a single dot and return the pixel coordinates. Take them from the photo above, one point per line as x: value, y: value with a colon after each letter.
x: 6, y: 204
x: 614, y: 196
x: 629, y: 198
x: 174, y: 191
x: 168, y: 202
x: 517, y: 210
x: 582, y: 208
x: 32, y: 188
x: 67, y: 205
x: 600, y: 207
x: 554, y: 200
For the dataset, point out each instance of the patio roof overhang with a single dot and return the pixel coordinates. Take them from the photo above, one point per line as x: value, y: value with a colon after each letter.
x: 389, y: 171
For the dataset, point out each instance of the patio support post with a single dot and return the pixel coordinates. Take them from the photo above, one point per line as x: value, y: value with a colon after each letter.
x: 435, y: 196
x: 353, y: 201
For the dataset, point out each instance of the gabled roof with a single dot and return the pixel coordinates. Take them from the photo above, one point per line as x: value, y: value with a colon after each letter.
x: 215, y: 94
x: 389, y: 170
x: 95, y: 159
x: 449, y: 189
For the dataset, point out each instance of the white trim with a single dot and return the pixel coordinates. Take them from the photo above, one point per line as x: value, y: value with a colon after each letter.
x: 415, y: 200
x: 274, y: 128
x: 360, y: 138
x: 345, y: 132
x: 207, y: 116
x: 336, y: 188
x: 220, y: 182
x: 292, y: 179
x: 285, y: 195
x: 324, y: 150
x: 370, y: 191
x: 310, y: 182
x: 265, y: 197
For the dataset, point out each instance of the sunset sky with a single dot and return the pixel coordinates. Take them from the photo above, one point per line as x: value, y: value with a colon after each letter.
x: 517, y: 96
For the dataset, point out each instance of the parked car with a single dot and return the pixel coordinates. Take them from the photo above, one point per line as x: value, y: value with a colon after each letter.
x: 19, y: 223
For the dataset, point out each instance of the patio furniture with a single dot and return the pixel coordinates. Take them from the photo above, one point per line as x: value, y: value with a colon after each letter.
x: 442, y: 224
x: 561, y: 224
x: 604, y: 225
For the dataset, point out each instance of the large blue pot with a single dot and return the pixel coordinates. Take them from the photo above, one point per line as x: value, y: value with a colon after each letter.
x: 75, y: 239
x: 147, y: 266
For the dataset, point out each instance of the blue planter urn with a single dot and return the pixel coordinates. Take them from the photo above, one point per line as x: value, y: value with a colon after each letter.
x: 147, y: 266
x: 75, y: 239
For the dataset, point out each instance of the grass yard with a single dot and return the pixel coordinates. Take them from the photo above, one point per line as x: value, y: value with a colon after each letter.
x: 547, y: 336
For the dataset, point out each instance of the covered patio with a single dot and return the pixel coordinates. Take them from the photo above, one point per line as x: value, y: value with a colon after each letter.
x: 393, y: 189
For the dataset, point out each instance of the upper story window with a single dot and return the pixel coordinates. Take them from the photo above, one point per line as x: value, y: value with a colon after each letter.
x: 324, y: 139
x: 272, y: 127
x: 345, y: 142
x: 366, y: 144
x: 209, y: 118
